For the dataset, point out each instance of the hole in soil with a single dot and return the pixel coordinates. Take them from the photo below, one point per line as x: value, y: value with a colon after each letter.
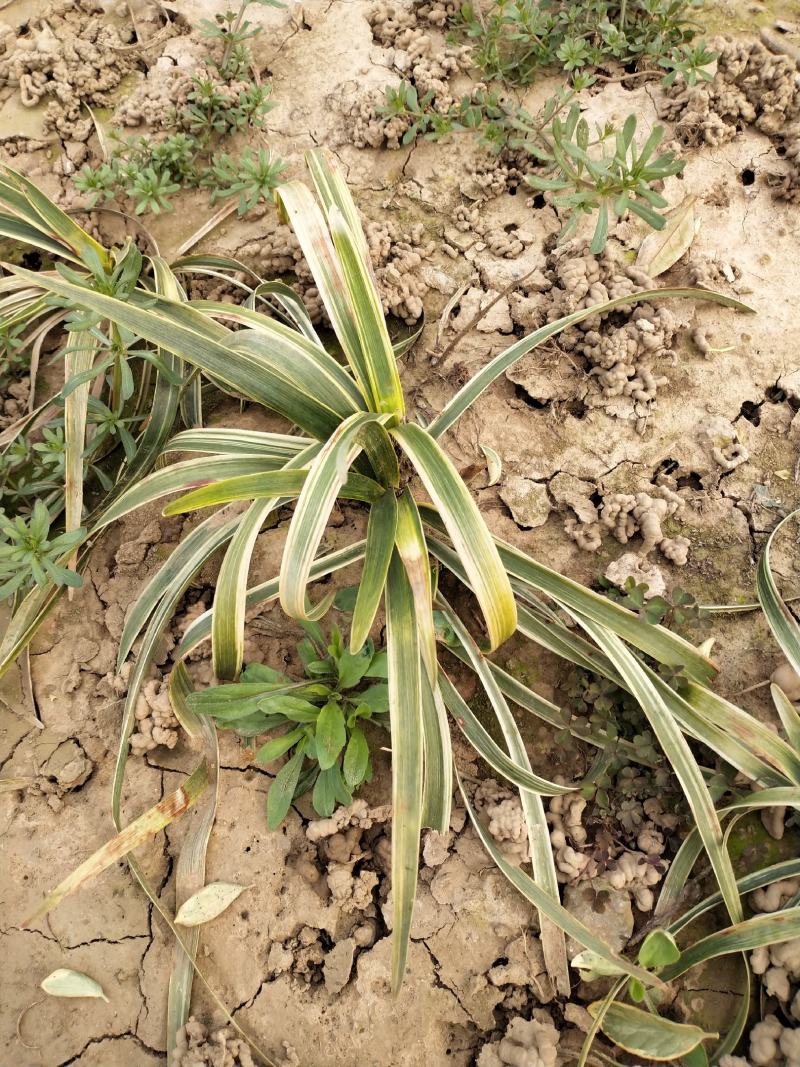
x: 512, y: 191
x: 510, y: 227
x: 666, y: 466
x: 691, y: 480
x: 750, y: 411
x: 781, y: 150
x: 532, y: 402
x: 244, y: 914
x: 596, y: 498
x: 249, y: 848
x: 576, y: 408
x: 538, y: 200
x: 32, y: 260
x: 748, y: 176
x: 775, y: 395
x: 501, y: 961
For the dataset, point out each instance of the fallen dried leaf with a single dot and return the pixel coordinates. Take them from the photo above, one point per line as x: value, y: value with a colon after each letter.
x: 65, y: 982
x: 208, y: 903
x: 660, y: 249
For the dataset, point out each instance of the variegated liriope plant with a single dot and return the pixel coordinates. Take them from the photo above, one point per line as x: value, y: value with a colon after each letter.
x: 351, y: 440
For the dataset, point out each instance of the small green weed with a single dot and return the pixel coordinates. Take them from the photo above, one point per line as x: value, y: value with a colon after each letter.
x: 601, y: 172
x: 517, y: 39
x: 29, y: 555
x: 677, y: 611
x: 150, y: 172
x: 326, y: 747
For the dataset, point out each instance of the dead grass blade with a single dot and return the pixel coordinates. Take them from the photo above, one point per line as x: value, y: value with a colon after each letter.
x: 139, y: 831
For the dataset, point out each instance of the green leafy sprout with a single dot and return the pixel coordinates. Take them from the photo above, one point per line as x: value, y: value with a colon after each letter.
x: 30, y: 555
x: 323, y: 738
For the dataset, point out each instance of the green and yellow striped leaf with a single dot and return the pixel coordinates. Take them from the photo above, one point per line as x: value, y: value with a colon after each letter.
x: 465, y: 527
x: 405, y: 703
x: 438, y: 778
x: 326, y: 477
x: 677, y: 751
x: 381, y: 529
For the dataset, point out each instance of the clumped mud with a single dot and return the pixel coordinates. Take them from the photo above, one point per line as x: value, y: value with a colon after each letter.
x: 751, y: 86
x: 68, y: 57
x: 657, y: 443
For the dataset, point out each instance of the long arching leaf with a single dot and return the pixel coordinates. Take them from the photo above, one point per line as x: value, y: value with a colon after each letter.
x: 405, y: 703
x: 466, y: 529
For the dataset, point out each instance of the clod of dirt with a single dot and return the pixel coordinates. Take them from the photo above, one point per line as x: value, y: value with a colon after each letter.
x: 132, y: 553
x: 774, y: 896
x: 302, y: 956
x: 163, y: 94
x: 15, y: 400
x: 790, y: 384
x: 526, y: 1043
x: 779, y: 967
x: 751, y: 86
x: 636, y: 874
x: 576, y: 494
x: 607, y: 914
x: 204, y: 1046
x: 353, y: 836
x: 642, y: 571
x: 506, y: 821
x: 720, y: 437
x: 504, y: 242
x: 397, y: 257
x: 70, y: 58
x: 155, y: 721
x: 774, y: 1045
x: 497, y: 318
x: 66, y: 768
x: 527, y: 501
x: 620, y: 358
x: 338, y: 965
x: 436, y: 847
x: 524, y: 967
x: 626, y: 514
x: 787, y: 678
x: 626, y: 871
x: 356, y: 816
